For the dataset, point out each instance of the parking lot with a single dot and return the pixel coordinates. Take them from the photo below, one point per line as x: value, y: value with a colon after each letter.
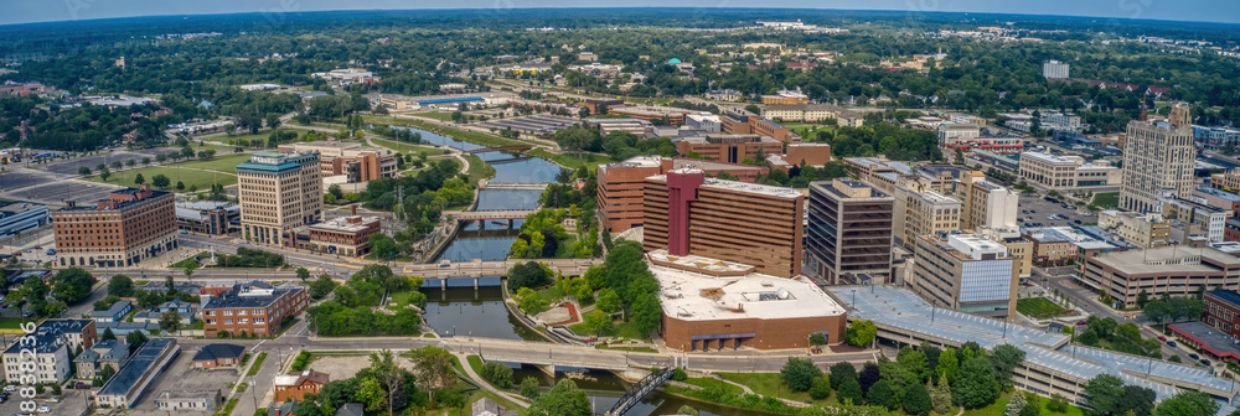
x: 59, y: 192
x: 72, y: 403
x: 180, y: 378
x: 1036, y: 210
x: 535, y: 124
x: 16, y: 179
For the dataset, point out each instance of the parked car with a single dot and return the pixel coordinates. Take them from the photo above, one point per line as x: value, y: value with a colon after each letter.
x: 1194, y: 356
x: 1171, y: 343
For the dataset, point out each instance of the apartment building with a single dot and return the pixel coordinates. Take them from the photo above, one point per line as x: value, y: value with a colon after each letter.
x: 966, y: 273
x: 1171, y: 271
x: 786, y: 97
x: 1227, y: 181
x: 126, y: 228
x: 1053, y: 69
x: 1197, y: 218
x: 803, y: 113
x: 54, y: 341
x: 347, y: 161
x: 849, y: 233
x: 346, y: 236
x: 279, y: 192
x: 950, y: 133
x: 1142, y: 230
x: 729, y: 148
x: 987, y: 205
x: 1159, y: 156
x: 255, y: 309
x: 1222, y: 309
x: 1068, y: 173
x: 688, y: 213
x: 924, y: 213
x: 620, y: 185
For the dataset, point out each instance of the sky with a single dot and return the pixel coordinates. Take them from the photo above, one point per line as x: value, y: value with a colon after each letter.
x: 24, y: 11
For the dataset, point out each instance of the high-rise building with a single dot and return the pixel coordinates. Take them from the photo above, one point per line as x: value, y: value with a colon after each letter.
x: 967, y: 273
x: 1159, y: 156
x: 687, y: 213
x: 279, y: 192
x: 620, y: 185
x: 848, y: 239
x: 987, y: 205
x: 923, y: 213
x: 129, y: 226
x: 1053, y: 69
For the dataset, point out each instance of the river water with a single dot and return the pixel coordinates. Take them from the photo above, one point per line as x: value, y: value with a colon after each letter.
x: 463, y: 310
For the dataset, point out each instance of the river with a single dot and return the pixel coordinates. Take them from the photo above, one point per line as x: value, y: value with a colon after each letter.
x: 465, y: 311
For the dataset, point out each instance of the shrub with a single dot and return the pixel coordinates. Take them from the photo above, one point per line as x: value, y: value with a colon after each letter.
x: 497, y: 374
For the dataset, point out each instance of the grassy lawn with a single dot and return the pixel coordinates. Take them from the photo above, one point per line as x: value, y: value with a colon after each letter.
x: 766, y: 384
x: 11, y: 325
x: 403, y: 299
x: 409, y: 148
x: 622, y: 348
x: 809, y: 130
x: 478, y: 170
x: 572, y: 161
x: 1106, y: 200
x: 998, y: 408
x: 475, y: 363
x: 1040, y: 308
x: 257, y: 365
x: 203, y: 173
x: 228, y: 408
x: 437, y: 115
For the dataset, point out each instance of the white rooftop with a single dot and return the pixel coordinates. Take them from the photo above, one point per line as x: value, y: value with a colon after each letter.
x: 694, y: 296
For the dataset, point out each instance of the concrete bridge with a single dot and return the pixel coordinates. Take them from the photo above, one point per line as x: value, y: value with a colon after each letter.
x: 511, y: 214
x: 531, y: 186
x: 444, y: 271
x: 509, y: 148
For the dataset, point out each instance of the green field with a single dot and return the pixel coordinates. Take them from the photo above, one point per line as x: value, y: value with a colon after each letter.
x: 1106, y: 200
x: 1039, y: 308
x: 437, y: 115
x: 485, y: 139
x: 202, y: 173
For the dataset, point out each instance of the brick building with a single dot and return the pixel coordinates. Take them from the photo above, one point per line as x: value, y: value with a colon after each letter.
x: 687, y: 213
x: 620, y: 185
x: 130, y: 226
x: 730, y: 305
x: 351, y: 161
x: 1222, y: 310
x: 729, y: 148
x: 255, y: 308
x: 346, y: 236
x: 295, y: 387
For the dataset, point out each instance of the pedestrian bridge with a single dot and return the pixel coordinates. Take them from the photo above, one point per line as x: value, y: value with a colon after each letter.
x: 513, y: 214
x: 476, y: 269
x: 533, y: 186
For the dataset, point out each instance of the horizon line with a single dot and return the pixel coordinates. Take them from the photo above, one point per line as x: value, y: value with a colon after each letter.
x: 568, y: 7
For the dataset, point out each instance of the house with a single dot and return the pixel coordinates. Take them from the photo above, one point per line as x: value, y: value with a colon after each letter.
x: 295, y: 387
x: 218, y: 356
x: 183, y: 309
x: 106, y: 353
x: 115, y: 313
x: 198, y: 401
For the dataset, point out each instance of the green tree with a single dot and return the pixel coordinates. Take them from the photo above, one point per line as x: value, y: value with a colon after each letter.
x: 530, y: 387
x: 303, y: 274
x: 948, y: 364
x: 161, y: 181
x: 180, y: 186
x: 388, y: 374
x: 497, y: 374
x: 977, y: 385
x: 371, y: 394
x: 335, y: 191
x: 1005, y: 358
x: 941, y: 396
x: 120, y: 286
x: 916, y: 400
x: 821, y: 388
x: 1015, y: 405
x: 170, y: 321
x: 529, y: 274
x: 799, y: 373
x: 104, y: 173
x: 321, y: 287
x: 188, y: 268
x: 1138, y: 400
x: 1103, y: 395
x: 71, y: 285
x: 841, y: 371
x: 1189, y: 403
x: 883, y: 394
x: 139, y: 180
x: 647, y: 313
x: 609, y: 301
x: 850, y: 391
x: 597, y: 322
x: 84, y: 171
x: 565, y: 399
x: 108, y: 335
x: 383, y: 247
x: 818, y: 339
x: 860, y: 333
x: 433, y: 369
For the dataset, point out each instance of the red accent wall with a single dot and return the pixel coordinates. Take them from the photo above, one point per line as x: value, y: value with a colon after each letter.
x: 682, y: 189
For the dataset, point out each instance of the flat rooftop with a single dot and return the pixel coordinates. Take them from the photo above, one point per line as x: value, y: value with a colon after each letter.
x: 691, y: 296
x: 1215, y: 342
x: 903, y: 311
x: 735, y: 186
x: 1168, y: 259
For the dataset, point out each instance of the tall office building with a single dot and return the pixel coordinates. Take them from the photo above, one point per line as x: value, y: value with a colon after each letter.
x: 922, y: 213
x: 987, y: 205
x: 849, y: 234
x: 1159, y: 156
x: 279, y: 192
x: 129, y: 226
x: 967, y: 273
x: 687, y: 213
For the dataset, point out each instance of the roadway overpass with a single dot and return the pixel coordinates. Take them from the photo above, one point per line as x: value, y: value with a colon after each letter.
x: 444, y: 271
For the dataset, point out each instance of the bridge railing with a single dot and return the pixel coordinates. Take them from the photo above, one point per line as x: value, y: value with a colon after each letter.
x: 633, y: 396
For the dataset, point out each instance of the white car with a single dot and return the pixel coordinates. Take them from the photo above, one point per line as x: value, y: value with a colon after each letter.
x: 44, y: 409
x: 10, y: 388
